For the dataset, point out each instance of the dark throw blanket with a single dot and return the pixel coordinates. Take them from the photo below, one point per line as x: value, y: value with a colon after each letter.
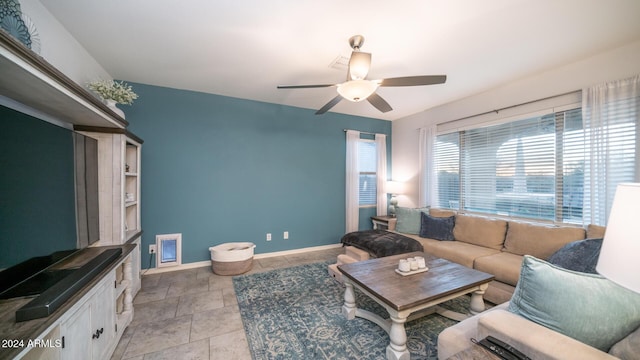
x: 381, y: 243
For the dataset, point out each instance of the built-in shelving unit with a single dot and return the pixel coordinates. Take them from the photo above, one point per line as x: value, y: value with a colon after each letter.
x: 119, y: 156
x: 28, y: 79
x: 91, y: 325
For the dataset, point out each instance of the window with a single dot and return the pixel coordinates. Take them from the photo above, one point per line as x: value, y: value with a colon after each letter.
x: 367, y: 169
x: 531, y: 168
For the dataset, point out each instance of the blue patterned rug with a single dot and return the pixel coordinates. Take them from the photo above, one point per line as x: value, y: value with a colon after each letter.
x: 296, y: 313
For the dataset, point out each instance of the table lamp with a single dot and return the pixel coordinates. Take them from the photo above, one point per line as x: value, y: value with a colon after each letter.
x: 618, y: 259
x: 394, y: 188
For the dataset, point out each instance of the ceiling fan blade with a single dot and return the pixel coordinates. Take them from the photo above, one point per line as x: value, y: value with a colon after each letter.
x: 329, y: 105
x: 414, y: 80
x: 359, y: 64
x: 379, y: 103
x: 305, y: 86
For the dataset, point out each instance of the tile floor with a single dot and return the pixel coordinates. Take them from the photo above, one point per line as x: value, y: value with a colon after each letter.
x: 194, y: 314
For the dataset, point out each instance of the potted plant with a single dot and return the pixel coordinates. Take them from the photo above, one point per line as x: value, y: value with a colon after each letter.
x: 113, y: 92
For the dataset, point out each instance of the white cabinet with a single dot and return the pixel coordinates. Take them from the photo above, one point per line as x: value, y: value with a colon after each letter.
x: 91, y: 329
x: 136, y: 278
x: 50, y: 351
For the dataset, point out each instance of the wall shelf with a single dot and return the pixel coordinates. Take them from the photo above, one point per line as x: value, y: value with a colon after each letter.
x: 27, y: 78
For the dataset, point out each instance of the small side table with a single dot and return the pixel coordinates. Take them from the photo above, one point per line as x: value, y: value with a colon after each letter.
x: 381, y: 222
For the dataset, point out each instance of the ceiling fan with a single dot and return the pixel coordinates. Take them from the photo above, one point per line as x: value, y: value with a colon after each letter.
x: 357, y: 88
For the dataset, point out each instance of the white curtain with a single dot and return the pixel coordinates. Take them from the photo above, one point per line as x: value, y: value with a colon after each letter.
x: 352, y: 182
x: 381, y: 149
x: 611, y: 117
x: 427, y: 179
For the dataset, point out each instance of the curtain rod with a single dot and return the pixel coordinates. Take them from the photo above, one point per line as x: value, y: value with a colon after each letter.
x: 509, y: 107
x: 363, y: 132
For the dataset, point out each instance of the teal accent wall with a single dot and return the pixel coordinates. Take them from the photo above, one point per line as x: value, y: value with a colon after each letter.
x: 220, y: 169
x: 37, y: 193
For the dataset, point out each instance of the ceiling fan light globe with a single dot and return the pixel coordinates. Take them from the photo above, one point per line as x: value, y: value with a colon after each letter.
x: 357, y: 90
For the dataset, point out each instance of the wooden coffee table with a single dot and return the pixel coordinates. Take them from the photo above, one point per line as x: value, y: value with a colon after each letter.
x: 408, y: 297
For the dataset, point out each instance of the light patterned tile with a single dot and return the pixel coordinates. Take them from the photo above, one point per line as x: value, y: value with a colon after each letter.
x: 198, y: 350
x: 215, y: 322
x: 229, y: 297
x: 232, y: 345
x: 217, y: 282
x: 154, y: 311
x: 159, y: 335
x: 171, y: 277
x: 192, y: 286
x: 195, y: 303
x: 150, y: 294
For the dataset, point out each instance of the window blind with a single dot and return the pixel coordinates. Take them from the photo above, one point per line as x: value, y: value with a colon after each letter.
x: 562, y: 164
x: 529, y: 168
x: 367, y: 168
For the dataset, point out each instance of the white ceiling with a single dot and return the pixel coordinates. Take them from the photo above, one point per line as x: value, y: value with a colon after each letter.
x: 245, y: 48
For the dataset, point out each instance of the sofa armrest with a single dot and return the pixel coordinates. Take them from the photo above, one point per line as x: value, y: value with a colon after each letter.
x: 457, y: 338
x: 534, y: 340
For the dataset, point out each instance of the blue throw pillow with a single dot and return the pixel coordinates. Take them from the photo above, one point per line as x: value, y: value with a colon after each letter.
x: 581, y: 255
x: 586, y: 307
x: 408, y: 220
x: 437, y: 228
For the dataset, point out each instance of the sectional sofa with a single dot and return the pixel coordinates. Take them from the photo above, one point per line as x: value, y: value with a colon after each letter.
x: 494, y: 246
x: 551, y: 316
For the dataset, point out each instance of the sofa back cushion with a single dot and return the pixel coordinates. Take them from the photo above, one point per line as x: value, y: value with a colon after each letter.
x: 595, y: 231
x: 581, y: 256
x: 480, y: 231
x: 439, y: 228
x: 441, y: 212
x: 408, y: 219
x: 586, y: 307
x: 539, y: 240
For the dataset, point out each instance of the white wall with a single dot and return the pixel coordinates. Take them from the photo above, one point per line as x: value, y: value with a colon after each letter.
x: 60, y: 48
x: 615, y: 64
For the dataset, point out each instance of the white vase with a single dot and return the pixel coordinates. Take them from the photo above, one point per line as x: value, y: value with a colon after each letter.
x: 112, y: 105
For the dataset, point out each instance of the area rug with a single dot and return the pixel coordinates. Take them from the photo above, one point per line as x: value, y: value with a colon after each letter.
x: 296, y: 313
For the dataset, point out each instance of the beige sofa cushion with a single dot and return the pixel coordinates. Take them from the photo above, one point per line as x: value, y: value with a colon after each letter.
x: 480, y: 231
x: 504, y: 266
x: 539, y: 240
x: 441, y: 213
x: 595, y: 231
x: 456, y: 251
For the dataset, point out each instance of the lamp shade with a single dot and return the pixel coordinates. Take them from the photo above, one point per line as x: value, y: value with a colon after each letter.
x: 359, y: 65
x: 619, y: 259
x: 357, y: 90
x: 395, y: 187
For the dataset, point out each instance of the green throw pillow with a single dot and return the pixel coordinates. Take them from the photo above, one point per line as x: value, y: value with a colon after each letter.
x: 408, y: 219
x: 586, y: 307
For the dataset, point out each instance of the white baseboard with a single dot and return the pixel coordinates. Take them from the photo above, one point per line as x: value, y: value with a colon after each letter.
x: 205, y: 263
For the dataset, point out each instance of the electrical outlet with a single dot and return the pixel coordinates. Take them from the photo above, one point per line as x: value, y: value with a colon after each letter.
x: 152, y: 249
x: 268, y: 236
x: 286, y: 235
